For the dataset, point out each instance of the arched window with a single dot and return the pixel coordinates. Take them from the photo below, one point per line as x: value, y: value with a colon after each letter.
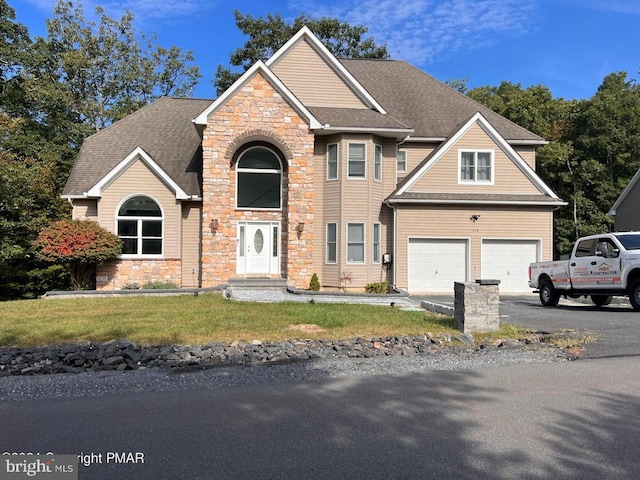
x: 259, y: 179
x: 140, y: 226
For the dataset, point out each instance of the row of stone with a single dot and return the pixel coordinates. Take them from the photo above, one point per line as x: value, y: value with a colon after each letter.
x: 127, y: 355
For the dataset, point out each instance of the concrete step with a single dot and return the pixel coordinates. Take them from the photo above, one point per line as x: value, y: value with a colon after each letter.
x: 257, y: 283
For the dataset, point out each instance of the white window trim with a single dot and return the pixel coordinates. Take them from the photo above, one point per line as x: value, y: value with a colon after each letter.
x: 364, y: 244
x: 259, y: 170
x: 337, y: 145
x: 326, y: 243
x: 365, y: 160
x: 379, y: 244
x: 140, y: 220
x: 377, y: 148
x: 403, y: 153
x: 475, y: 151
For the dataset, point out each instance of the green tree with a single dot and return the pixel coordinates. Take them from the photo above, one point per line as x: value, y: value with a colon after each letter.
x: 607, y: 138
x: 80, y: 245
x: 267, y: 35
x: 109, y: 72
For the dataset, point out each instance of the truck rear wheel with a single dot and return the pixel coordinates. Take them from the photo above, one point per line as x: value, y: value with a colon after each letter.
x: 549, y: 297
x: 601, y: 300
x: 634, y: 294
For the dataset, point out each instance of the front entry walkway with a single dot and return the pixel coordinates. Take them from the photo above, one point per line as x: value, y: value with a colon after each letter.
x: 284, y: 295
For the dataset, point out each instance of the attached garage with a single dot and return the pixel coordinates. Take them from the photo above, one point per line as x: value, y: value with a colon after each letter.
x: 434, y: 264
x: 508, y: 261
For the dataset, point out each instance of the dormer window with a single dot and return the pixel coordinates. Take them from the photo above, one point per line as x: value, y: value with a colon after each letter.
x: 476, y: 166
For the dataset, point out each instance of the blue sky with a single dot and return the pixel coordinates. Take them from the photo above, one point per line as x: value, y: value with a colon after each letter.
x: 567, y: 45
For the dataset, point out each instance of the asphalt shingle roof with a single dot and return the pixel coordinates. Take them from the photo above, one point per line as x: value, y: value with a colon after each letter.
x: 423, y: 103
x: 164, y: 129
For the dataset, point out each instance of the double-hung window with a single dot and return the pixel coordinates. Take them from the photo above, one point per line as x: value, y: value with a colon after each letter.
x: 401, y: 162
x: 376, y: 243
x: 357, y: 160
x: 355, y: 242
x: 332, y: 243
x: 377, y: 164
x: 476, y: 166
x: 332, y: 161
x: 140, y: 226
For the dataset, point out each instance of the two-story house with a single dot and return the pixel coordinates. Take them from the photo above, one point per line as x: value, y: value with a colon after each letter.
x: 357, y: 170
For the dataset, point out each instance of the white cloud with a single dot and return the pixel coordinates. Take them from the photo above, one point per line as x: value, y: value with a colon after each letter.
x: 627, y: 7
x: 422, y: 31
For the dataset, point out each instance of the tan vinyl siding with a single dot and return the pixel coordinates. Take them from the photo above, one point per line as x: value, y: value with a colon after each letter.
x: 191, y: 231
x: 313, y: 81
x: 628, y: 213
x: 140, y: 180
x: 349, y: 200
x: 84, y: 209
x: 442, y: 177
x: 528, y: 153
x: 416, y: 153
x: 447, y: 222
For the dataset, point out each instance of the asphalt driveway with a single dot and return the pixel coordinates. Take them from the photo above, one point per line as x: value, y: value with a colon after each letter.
x: 616, y: 327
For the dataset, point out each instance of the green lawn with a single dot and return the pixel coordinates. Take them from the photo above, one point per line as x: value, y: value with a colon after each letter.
x: 193, y: 320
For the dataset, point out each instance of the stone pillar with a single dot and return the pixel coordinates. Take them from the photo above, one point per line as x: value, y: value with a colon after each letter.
x: 477, y: 306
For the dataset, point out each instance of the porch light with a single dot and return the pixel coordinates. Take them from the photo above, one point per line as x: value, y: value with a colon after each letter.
x: 213, y: 225
x: 301, y: 227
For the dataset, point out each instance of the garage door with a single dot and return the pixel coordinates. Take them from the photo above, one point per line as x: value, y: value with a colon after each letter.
x: 435, y: 264
x: 508, y: 261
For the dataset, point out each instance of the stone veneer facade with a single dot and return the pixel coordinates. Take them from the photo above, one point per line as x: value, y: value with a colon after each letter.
x: 115, y: 275
x: 257, y: 114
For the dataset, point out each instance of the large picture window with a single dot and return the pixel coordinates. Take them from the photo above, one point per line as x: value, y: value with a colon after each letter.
x: 140, y: 226
x: 259, y: 174
x: 355, y: 242
x: 476, y: 166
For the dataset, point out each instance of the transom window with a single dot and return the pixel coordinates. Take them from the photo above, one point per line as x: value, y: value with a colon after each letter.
x: 476, y: 166
x: 357, y: 161
x: 140, y: 226
x: 259, y: 179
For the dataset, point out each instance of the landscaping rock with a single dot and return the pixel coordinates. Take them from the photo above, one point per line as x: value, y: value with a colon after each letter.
x: 127, y: 355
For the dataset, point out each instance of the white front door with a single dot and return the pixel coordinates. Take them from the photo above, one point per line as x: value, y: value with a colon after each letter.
x: 258, y: 249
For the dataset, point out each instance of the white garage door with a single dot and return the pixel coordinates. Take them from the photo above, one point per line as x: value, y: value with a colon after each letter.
x: 508, y: 261
x: 435, y: 264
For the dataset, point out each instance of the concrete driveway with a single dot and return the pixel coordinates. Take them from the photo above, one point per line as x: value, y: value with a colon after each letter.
x: 616, y: 328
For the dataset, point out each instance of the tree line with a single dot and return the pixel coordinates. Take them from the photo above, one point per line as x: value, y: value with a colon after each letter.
x: 83, y: 75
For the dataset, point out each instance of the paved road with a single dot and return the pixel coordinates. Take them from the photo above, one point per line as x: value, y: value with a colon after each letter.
x: 616, y: 328
x: 570, y: 420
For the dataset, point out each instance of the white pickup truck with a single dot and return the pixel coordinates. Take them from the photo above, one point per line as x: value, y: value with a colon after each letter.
x: 600, y: 266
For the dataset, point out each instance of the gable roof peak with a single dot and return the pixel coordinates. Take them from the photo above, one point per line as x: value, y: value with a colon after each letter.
x: 305, y: 33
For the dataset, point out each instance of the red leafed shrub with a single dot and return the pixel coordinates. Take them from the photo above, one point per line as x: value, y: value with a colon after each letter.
x: 79, y: 244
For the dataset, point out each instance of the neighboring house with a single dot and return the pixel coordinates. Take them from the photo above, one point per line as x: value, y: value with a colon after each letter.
x: 627, y: 207
x: 357, y: 170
